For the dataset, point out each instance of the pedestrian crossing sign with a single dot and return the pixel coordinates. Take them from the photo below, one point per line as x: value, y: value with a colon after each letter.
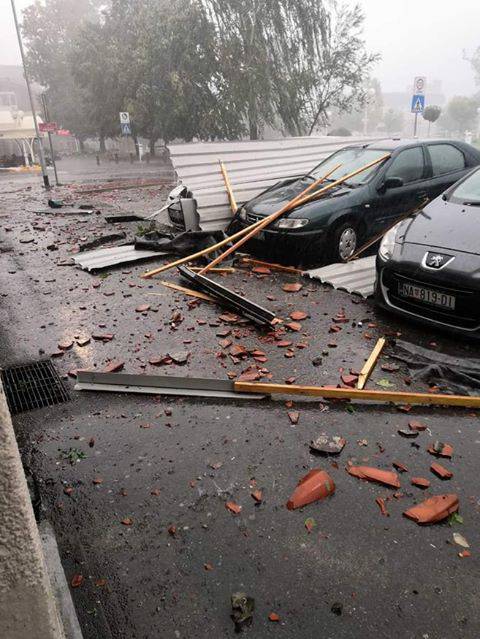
x: 418, y: 103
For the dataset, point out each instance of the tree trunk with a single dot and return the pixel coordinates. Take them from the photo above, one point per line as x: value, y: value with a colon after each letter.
x: 103, y: 148
x: 252, y: 118
x: 137, y: 149
x: 152, y: 147
x: 81, y: 144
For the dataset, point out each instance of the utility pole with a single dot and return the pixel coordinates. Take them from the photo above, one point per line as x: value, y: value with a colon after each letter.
x: 415, y: 125
x: 46, y: 181
x: 52, y: 153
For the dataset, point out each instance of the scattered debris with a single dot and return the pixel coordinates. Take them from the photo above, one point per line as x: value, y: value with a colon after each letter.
x: 293, y: 287
x: 310, y: 524
x: 440, y: 449
x: 103, y: 258
x: 386, y: 477
x: 400, y: 467
x: 383, y: 507
x: 257, y: 496
x: 415, y: 425
x: 337, y: 608
x: 433, y: 509
x: 409, y: 434
x: 460, y: 540
x: 420, y: 482
x: 242, y: 610
x: 316, y: 485
x: 370, y: 363
x: 441, y: 471
x: 273, y: 617
x: 328, y: 445
x: 233, y: 507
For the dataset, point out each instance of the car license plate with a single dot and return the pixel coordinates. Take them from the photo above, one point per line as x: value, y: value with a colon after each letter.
x: 426, y: 295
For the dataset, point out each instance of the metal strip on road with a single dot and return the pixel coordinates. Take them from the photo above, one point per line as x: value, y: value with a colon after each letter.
x: 357, y: 276
x: 159, y: 385
x: 102, y: 258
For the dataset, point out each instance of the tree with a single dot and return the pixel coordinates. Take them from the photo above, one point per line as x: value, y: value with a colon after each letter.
x: 48, y: 57
x: 461, y: 114
x: 289, y: 59
x: 431, y: 114
x: 393, y: 121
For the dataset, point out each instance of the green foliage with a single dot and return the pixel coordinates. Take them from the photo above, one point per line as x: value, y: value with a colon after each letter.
x: 432, y: 113
x: 210, y: 69
x: 461, y: 114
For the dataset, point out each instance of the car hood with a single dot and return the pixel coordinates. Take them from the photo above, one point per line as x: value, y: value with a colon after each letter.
x: 444, y: 225
x: 274, y: 199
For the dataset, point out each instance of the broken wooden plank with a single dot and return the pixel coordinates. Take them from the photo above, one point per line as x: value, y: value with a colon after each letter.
x: 186, y: 291
x: 276, y: 267
x: 330, y: 392
x: 228, y: 186
x: 370, y: 363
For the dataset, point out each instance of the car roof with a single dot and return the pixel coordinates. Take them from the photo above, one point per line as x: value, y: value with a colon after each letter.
x: 391, y: 144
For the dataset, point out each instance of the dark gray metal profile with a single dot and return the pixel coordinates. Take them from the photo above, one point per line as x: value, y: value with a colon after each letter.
x: 159, y: 385
x: 227, y: 297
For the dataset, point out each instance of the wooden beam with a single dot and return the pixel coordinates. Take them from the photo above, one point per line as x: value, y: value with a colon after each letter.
x: 301, y: 197
x: 274, y: 267
x: 187, y: 291
x: 328, y: 392
x: 221, y: 269
x: 370, y: 363
x: 228, y: 186
x: 375, y: 238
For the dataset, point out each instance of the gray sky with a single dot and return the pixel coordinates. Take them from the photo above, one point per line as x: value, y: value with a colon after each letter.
x: 414, y: 37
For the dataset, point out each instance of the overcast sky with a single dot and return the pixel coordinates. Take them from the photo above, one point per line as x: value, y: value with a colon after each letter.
x: 414, y: 37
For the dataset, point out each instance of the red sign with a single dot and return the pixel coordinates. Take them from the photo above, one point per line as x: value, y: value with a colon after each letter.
x: 47, y: 127
x: 63, y: 132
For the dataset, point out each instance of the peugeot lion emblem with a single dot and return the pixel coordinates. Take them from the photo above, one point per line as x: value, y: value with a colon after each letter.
x: 436, y: 260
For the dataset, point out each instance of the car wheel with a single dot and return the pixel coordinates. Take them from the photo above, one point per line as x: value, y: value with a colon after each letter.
x: 344, y: 242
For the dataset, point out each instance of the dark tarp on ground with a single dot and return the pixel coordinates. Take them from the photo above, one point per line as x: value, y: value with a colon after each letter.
x: 182, y: 244
x: 460, y: 375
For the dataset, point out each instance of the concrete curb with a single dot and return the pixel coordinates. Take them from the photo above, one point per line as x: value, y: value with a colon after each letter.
x: 27, y: 604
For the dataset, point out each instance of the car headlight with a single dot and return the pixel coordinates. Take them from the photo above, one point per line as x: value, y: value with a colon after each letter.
x: 242, y: 213
x: 388, y: 243
x: 291, y: 223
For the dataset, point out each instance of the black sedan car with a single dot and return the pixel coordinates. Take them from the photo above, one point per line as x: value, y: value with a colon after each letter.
x: 428, y: 266
x: 331, y: 228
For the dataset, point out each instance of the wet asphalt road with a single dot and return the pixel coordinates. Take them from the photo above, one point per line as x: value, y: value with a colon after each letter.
x: 161, y: 462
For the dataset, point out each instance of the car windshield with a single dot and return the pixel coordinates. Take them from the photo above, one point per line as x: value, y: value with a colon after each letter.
x: 468, y: 192
x: 350, y: 160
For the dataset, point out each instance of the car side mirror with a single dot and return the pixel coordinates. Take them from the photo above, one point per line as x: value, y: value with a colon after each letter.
x: 392, y: 183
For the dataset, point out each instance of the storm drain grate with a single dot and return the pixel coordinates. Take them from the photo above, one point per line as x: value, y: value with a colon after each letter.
x: 33, y: 386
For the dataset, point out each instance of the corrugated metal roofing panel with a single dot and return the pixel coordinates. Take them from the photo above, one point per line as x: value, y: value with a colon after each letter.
x: 102, y: 258
x: 252, y: 167
x: 357, y: 276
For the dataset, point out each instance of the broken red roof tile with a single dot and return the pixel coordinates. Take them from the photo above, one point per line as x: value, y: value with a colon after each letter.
x: 350, y: 380
x: 273, y: 616
x: 420, y: 482
x: 383, y: 508
x: 257, y: 496
x: 441, y: 471
x: 440, y: 449
x: 293, y: 287
x: 400, y: 467
x: 142, y: 308
x: 233, y: 507
x: 414, y: 424
x: 387, y: 477
x: 433, y: 509
x: 294, y: 326
x: 315, y: 485
x: 294, y: 416
x: 114, y: 367
x: 298, y: 316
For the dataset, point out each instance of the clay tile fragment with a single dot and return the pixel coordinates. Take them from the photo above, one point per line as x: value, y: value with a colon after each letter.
x: 298, y: 316
x: 420, y: 482
x: 414, y: 424
x: 440, y: 449
x: 233, y: 507
x: 294, y: 416
x: 273, y: 617
x: 142, y: 308
x: 433, y: 509
x: 257, y: 496
x: 350, y: 380
x: 316, y: 485
x: 293, y: 287
x: 383, y: 508
x: 441, y: 471
x: 387, y: 477
x: 114, y: 367
x: 400, y: 467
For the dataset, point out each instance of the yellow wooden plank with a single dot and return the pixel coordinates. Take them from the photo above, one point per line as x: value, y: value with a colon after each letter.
x: 396, y: 397
x: 370, y: 363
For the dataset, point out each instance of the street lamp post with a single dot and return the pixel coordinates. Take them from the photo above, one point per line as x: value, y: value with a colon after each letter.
x: 370, y: 95
x: 43, y: 164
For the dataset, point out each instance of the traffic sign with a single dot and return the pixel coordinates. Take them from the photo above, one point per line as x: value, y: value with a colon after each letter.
x: 418, y: 103
x: 126, y: 130
x: 124, y: 117
x: 419, y: 84
x: 47, y: 127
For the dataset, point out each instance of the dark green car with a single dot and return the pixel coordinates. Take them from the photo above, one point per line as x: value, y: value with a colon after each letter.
x: 331, y: 228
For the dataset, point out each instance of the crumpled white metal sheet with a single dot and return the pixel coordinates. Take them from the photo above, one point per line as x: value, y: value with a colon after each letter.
x: 104, y: 257
x: 252, y: 167
x: 357, y: 276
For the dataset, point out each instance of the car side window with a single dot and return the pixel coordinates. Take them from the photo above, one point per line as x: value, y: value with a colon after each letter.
x: 446, y: 158
x: 408, y: 165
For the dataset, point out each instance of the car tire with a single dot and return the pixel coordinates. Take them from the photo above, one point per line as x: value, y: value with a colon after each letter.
x: 343, y: 242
